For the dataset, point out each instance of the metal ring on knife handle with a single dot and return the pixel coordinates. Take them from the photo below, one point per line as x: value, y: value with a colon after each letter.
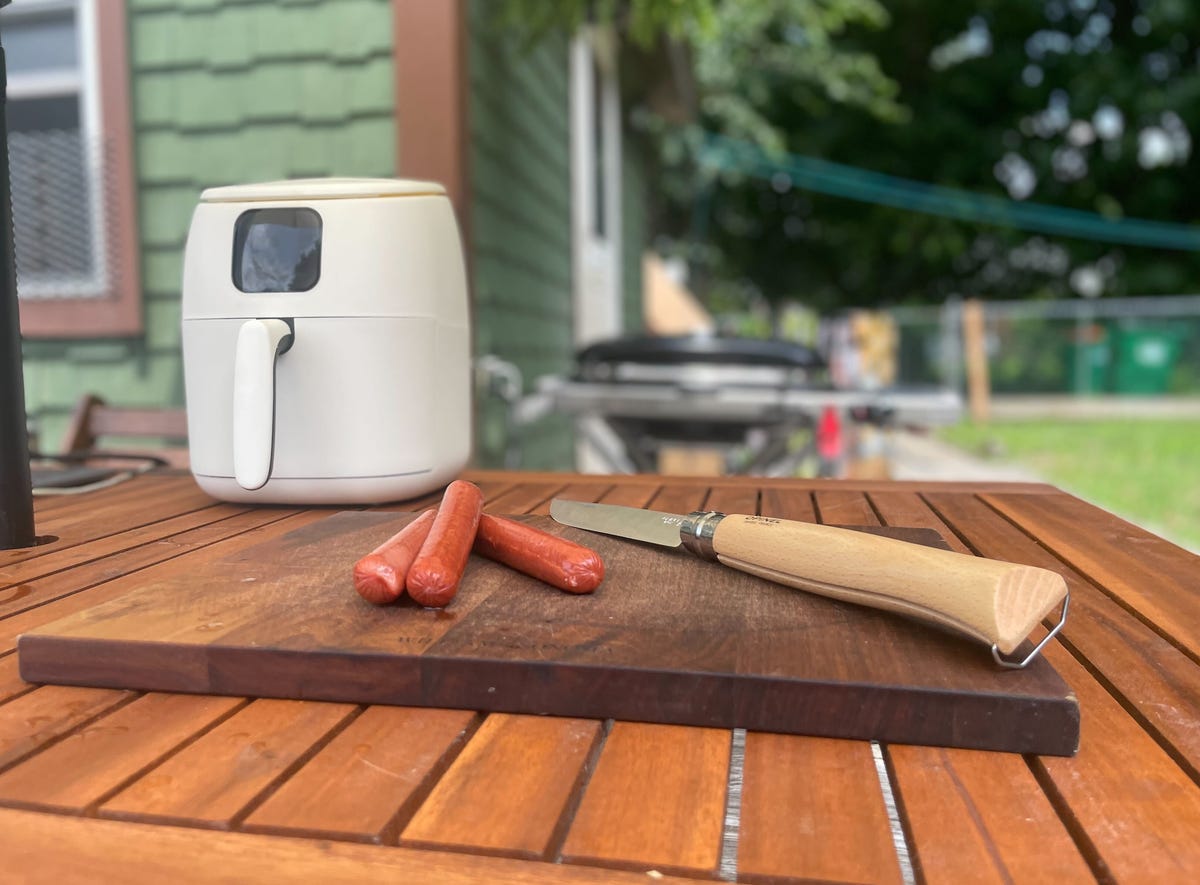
x: 696, y: 532
x: 1019, y: 665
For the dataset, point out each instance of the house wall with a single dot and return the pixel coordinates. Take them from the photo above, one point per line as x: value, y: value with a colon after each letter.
x: 223, y: 92
x: 231, y: 91
x: 520, y: 210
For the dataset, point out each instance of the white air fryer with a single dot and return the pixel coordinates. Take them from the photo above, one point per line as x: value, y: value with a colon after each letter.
x: 326, y: 343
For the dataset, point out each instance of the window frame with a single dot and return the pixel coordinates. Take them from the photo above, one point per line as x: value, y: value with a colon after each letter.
x: 114, y: 309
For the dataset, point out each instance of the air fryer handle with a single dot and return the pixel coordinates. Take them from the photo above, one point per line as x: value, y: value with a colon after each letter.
x: 259, y: 343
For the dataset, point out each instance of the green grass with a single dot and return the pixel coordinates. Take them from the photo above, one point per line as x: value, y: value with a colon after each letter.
x: 1147, y: 471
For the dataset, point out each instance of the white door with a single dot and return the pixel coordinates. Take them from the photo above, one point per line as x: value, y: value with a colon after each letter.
x: 595, y: 206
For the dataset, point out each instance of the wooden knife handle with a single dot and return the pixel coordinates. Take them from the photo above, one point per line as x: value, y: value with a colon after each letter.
x: 996, y: 602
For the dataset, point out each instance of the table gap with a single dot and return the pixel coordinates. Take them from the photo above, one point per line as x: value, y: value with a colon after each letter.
x: 20, y: 692
x: 390, y: 834
x: 727, y: 866
x: 102, y: 555
x: 910, y: 859
x: 92, y: 809
x: 958, y: 533
x: 1082, y: 572
x: 235, y: 822
x: 559, y: 836
x: 902, y: 839
x: 77, y: 727
x: 527, y: 504
x: 1132, y: 710
x: 182, y: 552
x: 1087, y: 848
x: 1065, y: 641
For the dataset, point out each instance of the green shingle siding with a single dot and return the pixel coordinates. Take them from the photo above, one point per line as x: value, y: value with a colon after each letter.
x: 633, y: 230
x: 223, y: 91
x: 520, y: 163
x: 230, y: 91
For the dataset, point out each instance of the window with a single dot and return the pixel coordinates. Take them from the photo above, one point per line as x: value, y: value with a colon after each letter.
x: 70, y: 161
x: 277, y: 250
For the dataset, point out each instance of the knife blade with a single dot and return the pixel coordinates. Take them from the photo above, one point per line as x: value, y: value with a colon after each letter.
x: 995, y: 602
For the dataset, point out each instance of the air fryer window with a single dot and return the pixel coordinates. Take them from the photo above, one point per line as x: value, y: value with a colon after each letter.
x: 277, y: 250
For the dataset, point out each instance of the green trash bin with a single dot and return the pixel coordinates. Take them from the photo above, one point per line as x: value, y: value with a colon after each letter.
x: 1089, y: 360
x: 1145, y: 359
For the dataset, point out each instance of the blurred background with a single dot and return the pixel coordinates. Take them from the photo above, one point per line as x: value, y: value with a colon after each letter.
x: 853, y: 238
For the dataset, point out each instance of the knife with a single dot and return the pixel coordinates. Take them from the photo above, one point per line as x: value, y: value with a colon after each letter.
x: 996, y: 602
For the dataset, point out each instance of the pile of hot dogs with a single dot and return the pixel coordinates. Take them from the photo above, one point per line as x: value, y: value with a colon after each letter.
x: 428, y: 556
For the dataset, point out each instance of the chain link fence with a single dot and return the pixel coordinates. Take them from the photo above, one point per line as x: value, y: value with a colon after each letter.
x: 1134, y: 346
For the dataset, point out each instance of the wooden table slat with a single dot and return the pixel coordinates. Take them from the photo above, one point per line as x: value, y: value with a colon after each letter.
x: 678, y: 499
x: 115, y: 576
x: 805, y: 839
x: 365, y: 783
x: 1125, y: 809
x: 980, y: 817
x: 630, y: 495
x: 523, y: 498
x: 52, y: 849
x: 577, y: 491
x: 32, y: 720
x: 11, y: 683
x: 941, y: 806
x: 656, y: 801
x: 213, y: 779
x: 909, y: 509
x: 63, y: 528
x: 787, y: 504
x: 57, y: 560
x: 1144, y: 572
x: 93, y: 761
x: 143, y: 507
x: 45, y: 506
x: 844, y: 507
x: 733, y: 500
x: 1137, y: 809
x: 1151, y: 674
x: 782, y: 482
x: 38, y: 591
x: 1141, y: 827
x: 491, y: 490
x: 808, y: 812
x: 507, y: 791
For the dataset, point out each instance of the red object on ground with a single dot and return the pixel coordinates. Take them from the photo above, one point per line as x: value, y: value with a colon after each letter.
x: 829, y: 434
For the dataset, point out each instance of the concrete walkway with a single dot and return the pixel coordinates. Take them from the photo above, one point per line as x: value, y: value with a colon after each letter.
x: 1013, y: 407
x: 924, y: 457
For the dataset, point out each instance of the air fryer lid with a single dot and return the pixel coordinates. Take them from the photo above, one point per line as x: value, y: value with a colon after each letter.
x: 321, y: 189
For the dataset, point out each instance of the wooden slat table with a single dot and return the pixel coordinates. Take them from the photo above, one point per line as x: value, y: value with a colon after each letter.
x: 112, y: 785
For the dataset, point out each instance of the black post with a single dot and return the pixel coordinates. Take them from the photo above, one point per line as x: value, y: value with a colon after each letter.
x: 16, y: 494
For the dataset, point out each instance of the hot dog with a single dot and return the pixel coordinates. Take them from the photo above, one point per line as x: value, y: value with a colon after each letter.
x: 433, y: 578
x: 380, y: 575
x: 557, y: 561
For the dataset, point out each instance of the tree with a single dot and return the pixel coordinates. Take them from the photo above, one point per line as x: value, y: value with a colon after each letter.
x: 1082, y: 104
x: 1087, y: 104
x: 760, y: 65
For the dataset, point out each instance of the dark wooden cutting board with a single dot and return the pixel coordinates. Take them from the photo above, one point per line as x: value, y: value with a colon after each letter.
x: 666, y: 638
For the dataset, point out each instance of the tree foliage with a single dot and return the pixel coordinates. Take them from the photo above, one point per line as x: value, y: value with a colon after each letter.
x: 1086, y: 104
